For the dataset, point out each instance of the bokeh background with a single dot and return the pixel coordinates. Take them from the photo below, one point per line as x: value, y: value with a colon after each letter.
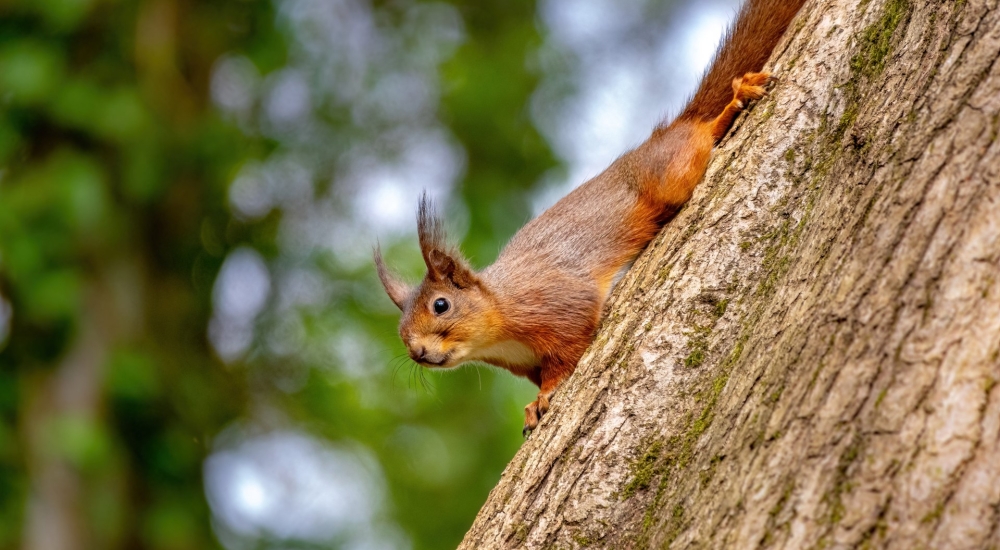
x: 194, y: 349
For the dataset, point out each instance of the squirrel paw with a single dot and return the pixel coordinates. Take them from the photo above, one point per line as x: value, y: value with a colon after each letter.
x: 747, y: 88
x: 533, y: 412
x: 751, y: 86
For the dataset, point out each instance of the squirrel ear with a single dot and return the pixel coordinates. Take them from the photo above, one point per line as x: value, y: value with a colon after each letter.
x: 397, y: 290
x: 442, y: 266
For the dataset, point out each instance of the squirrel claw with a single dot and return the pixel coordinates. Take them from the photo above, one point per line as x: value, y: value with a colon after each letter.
x: 525, y: 431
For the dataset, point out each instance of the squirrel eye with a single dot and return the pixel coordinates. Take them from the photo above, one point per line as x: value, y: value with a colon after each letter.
x: 440, y: 306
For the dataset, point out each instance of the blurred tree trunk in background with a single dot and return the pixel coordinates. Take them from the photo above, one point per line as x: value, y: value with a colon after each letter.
x: 808, y: 355
x: 73, y: 392
x: 62, y: 488
x: 114, y: 168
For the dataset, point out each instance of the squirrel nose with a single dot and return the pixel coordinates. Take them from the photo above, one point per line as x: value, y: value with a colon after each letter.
x: 419, y: 354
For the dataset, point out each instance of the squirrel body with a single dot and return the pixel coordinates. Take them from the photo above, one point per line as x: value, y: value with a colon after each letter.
x: 535, y: 310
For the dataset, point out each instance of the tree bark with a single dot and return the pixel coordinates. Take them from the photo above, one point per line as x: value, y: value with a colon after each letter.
x: 807, y: 356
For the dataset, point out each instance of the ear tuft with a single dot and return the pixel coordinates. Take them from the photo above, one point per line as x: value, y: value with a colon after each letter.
x: 398, y: 291
x: 443, y: 261
x: 430, y: 229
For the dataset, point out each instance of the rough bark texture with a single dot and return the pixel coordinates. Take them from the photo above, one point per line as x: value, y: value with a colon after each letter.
x: 807, y: 356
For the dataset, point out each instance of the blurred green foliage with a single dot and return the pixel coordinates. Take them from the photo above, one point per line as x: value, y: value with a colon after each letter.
x: 114, y: 222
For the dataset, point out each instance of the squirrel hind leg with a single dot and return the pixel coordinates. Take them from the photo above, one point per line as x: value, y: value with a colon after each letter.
x: 749, y: 87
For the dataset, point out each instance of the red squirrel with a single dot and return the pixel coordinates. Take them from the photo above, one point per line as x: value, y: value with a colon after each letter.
x: 535, y: 310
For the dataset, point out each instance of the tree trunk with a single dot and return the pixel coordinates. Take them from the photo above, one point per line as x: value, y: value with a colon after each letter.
x: 807, y: 356
x: 63, y: 406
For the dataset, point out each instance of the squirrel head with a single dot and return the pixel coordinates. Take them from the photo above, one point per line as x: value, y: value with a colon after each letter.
x: 451, y: 314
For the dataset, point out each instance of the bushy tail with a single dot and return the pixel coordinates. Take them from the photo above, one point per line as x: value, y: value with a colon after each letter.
x: 746, y: 47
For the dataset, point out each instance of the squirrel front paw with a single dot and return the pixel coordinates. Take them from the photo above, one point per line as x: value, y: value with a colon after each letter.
x: 533, y: 412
